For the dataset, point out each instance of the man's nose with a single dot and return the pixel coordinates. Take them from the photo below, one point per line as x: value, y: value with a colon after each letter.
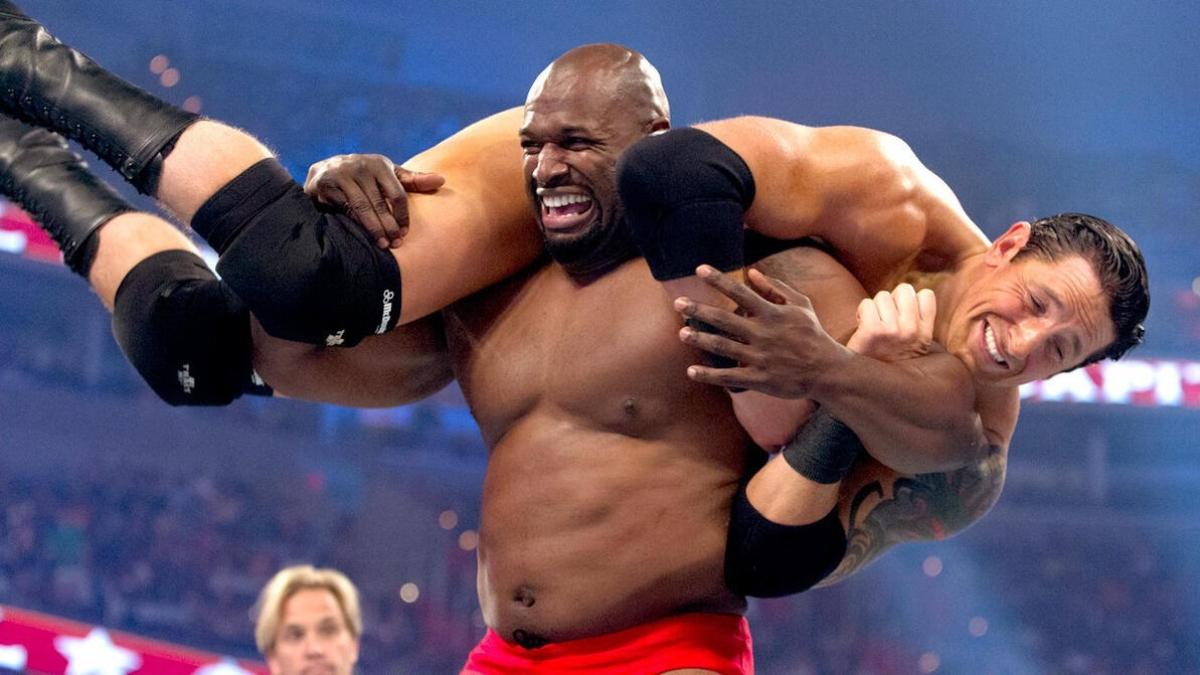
x: 313, y: 646
x: 1028, y: 336
x: 550, y: 164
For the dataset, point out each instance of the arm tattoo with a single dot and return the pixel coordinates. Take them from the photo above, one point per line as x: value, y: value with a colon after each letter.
x: 929, y: 506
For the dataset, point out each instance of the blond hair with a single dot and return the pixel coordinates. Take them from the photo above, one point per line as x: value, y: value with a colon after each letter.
x: 268, y: 611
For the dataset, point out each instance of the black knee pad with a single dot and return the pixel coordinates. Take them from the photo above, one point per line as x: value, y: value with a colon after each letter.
x: 308, y: 275
x: 765, y: 559
x: 685, y: 196
x: 187, y: 334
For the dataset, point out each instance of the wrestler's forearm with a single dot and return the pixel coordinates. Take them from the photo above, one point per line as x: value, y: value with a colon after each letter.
x: 914, y: 416
x: 769, y: 421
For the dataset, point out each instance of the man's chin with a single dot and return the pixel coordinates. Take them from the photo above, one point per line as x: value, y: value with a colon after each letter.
x: 570, y: 244
x: 566, y: 234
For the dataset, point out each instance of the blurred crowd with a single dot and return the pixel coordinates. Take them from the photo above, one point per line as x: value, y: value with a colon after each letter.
x: 183, y: 558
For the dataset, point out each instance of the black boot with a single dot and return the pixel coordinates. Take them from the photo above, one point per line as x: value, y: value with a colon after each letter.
x: 39, y: 172
x: 47, y: 83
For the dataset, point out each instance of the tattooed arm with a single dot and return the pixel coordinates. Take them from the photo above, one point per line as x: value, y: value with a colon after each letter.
x: 882, y: 508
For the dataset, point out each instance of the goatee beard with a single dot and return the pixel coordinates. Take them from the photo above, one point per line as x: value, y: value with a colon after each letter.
x: 596, y: 252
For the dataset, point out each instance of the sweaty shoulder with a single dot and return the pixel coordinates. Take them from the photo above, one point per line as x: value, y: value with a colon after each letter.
x: 478, y: 147
x: 862, y: 191
x: 777, y: 153
x: 477, y: 229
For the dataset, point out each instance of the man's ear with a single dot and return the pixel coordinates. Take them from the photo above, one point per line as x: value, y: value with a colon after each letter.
x: 659, y: 125
x: 1007, y: 245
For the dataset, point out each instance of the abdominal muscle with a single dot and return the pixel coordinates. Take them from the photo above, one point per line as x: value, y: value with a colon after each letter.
x: 586, y: 532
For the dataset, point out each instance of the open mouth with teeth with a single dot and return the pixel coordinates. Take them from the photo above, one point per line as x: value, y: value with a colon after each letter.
x: 563, y: 212
x: 989, y: 343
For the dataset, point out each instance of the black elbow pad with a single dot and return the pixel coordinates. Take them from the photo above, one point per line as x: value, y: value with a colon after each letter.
x: 685, y: 196
x: 767, y: 560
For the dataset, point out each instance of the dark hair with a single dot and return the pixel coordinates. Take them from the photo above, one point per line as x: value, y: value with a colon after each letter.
x: 1118, y: 264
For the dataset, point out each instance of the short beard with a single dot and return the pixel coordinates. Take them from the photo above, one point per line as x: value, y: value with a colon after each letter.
x: 597, y: 251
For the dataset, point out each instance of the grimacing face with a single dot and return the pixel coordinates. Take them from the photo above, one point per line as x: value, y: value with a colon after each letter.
x: 572, y: 136
x: 313, y: 638
x: 1027, y: 319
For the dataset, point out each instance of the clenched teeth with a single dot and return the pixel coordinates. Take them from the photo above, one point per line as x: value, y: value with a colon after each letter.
x: 559, y: 201
x: 990, y: 338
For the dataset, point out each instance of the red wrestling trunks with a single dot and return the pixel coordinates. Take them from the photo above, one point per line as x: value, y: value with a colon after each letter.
x: 716, y: 642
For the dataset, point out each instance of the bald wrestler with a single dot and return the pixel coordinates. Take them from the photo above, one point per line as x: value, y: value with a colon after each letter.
x: 540, y: 585
x: 926, y: 494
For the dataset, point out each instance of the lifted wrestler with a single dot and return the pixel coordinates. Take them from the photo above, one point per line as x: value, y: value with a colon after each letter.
x: 1045, y: 297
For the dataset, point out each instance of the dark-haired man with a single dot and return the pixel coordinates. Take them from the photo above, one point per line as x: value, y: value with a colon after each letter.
x: 1045, y: 297
x: 591, y: 468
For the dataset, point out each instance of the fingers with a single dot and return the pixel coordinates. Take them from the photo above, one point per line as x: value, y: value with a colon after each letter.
x: 310, y: 186
x: 375, y: 177
x: 397, y: 191
x: 759, y: 296
x: 766, y: 287
x: 715, y: 344
x: 364, y: 208
x: 368, y: 188
x: 731, y: 288
x: 886, y: 306
x: 927, y: 307
x: 776, y: 291
x: 901, y: 312
x: 907, y: 313
x: 868, y: 316
x: 419, y: 181
x: 391, y: 205
x: 721, y: 319
x: 739, y: 378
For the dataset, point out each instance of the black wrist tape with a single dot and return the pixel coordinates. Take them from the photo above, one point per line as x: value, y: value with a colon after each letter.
x: 824, y: 450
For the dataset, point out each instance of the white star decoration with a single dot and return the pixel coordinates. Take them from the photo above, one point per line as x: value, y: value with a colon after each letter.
x: 96, y: 655
x: 13, y: 657
x: 225, y: 667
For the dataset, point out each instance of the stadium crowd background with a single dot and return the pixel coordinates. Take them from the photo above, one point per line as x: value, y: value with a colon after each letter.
x: 119, y: 511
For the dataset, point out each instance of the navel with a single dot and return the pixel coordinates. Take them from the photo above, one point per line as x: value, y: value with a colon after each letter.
x: 629, y: 407
x: 524, y: 596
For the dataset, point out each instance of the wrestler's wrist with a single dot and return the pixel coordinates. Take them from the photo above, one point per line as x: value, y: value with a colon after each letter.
x: 828, y: 375
x: 824, y: 450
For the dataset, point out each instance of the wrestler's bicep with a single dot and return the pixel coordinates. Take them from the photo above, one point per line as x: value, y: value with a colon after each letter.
x: 474, y: 231
x: 461, y: 240
x: 881, y: 509
x: 787, y: 196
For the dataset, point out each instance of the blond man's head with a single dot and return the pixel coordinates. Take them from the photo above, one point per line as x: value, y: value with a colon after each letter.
x: 308, y: 618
